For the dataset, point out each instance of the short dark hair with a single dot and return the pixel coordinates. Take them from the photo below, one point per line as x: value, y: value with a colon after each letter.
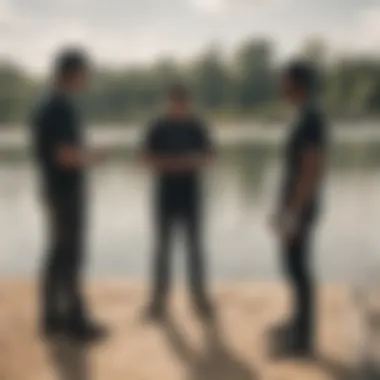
x: 303, y: 74
x: 70, y: 61
x: 179, y: 92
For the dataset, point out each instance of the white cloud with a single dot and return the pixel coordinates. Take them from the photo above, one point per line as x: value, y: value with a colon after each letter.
x: 362, y: 34
x: 369, y: 28
x: 140, y: 30
x: 7, y: 13
x: 4, y: 9
x: 210, y: 6
x: 220, y: 6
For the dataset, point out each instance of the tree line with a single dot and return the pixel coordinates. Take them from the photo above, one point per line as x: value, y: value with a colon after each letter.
x: 241, y: 85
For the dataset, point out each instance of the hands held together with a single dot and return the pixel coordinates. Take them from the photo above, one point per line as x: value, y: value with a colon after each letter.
x: 285, y: 225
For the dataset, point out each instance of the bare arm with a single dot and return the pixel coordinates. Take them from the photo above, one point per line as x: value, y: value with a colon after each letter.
x: 308, y: 180
x: 71, y: 157
x: 175, y: 164
x: 156, y: 161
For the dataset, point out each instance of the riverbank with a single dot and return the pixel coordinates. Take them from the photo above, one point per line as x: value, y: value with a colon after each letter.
x: 178, y: 350
x: 115, y: 137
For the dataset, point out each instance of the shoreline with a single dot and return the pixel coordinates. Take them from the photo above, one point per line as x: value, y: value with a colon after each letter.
x: 117, y: 136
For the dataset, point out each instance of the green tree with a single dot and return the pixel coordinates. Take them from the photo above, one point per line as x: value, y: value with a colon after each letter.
x: 254, y: 74
x: 211, y: 81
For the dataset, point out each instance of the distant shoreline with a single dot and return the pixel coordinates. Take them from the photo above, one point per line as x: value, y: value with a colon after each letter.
x: 16, y: 139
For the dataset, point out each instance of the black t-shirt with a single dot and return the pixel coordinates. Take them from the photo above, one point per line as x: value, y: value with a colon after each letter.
x: 170, y: 138
x: 309, y: 132
x: 56, y: 123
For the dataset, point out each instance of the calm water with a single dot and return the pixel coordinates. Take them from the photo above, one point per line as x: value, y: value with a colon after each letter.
x: 240, y: 189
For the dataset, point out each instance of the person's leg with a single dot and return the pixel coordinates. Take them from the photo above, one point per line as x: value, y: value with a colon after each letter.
x: 299, y: 271
x: 57, y: 268
x: 162, y: 259
x: 196, y: 260
x: 51, y: 318
x: 75, y: 252
x: 50, y: 300
x: 79, y: 325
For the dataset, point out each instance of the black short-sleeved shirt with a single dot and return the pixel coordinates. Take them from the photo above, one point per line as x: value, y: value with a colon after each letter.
x: 56, y: 123
x: 309, y: 132
x: 170, y: 138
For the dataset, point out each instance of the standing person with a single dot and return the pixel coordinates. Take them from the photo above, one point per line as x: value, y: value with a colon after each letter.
x: 177, y: 147
x: 297, y: 215
x: 63, y: 160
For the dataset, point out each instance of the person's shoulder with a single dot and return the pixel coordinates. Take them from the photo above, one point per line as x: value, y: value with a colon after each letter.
x: 41, y: 109
x: 314, y: 116
x: 156, y: 126
x: 50, y: 113
x: 50, y: 104
x: 158, y: 122
x: 314, y: 126
x: 60, y: 104
x: 198, y: 122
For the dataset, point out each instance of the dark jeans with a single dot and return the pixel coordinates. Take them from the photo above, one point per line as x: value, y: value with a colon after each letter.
x: 62, y: 293
x: 187, y: 215
x: 298, y: 268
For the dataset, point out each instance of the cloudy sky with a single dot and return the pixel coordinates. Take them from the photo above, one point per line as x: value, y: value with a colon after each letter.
x: 119, y: 31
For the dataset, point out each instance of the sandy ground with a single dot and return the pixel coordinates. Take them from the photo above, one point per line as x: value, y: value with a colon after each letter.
x: 182, y: 349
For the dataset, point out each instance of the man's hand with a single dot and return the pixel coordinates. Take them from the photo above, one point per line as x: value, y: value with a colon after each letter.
x: 193, y: 162
x: 285, y: 225
x: 287, y: 222
x: 309, y: 176
x: 176, y: 164
x: 71, y: 157
x: 98, y: 156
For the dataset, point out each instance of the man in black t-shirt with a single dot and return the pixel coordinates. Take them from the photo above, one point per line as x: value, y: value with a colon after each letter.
x: 299, y: 200
x: 62, y: 161
x: 176, y: 148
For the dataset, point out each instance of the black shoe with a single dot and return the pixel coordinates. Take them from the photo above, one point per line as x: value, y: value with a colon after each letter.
x: 52, y: 329
x: 281, y: 334
x: 292, y: 346
x: 86, y: 332
x: 299, y: 350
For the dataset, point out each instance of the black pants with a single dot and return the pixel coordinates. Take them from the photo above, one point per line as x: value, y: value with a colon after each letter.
x: 298, y: 268
x: 62, y: 298
x: 187, y: 215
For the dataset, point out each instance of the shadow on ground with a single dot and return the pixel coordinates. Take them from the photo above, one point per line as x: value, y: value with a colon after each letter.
x: 69, y: 360
x: 214, y: 362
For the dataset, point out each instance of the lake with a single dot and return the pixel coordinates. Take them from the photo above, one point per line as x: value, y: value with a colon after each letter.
x: 240, y: 190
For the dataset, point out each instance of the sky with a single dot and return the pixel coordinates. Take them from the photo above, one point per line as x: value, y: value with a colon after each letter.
x: 117, y: 32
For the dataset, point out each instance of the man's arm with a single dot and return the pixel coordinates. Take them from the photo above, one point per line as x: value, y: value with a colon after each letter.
x: 159, y: 163
x: 207, y: 148
x: 311, y: 165
x: 71, y: 157
x: 62, y: 131
x: 173, y: 163
x: 151, y: 154
x: 156, y: 161
x: 311, y: 158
